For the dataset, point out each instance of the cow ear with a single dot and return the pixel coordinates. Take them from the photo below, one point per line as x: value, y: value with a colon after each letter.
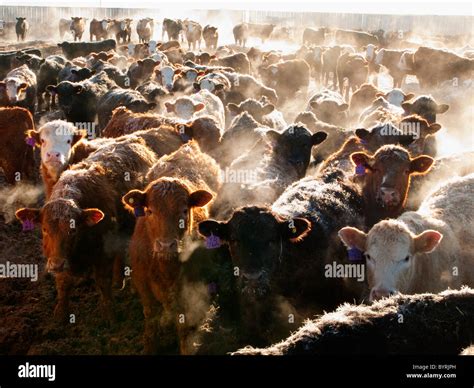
x: 169, y: 107
x: 361, y: 158
x: 267, y: 109
x: 343, y: 107
x: 92, y: 216
x: 362, y: 133
x: 52, y: 88
x: 313, y: 104
x: 407, y: 106
x: 380, y: 94
x: 78, y: 89
x: 273, y: 136
x: 196, y: 86
x: 216, y: 228
x: 178, y: 71
x: 318, y: 137
x: 32, y: 134
x: 3, y: 84
x: 353, y: 238
x: 421, y: 164
x: 408, y: 96
x: 218, y: 87
x: 433, y: 128
x: 295, y: 229
x: 28, y: 214
x: 22, y: 86
x: 442, y: 108
x: 427, y: 241
x: 233, y: 108
x: 134, y: 198
x: 72, y: 18
x: 78, y: 135
x: 60, y: 45
x: 198, y: 107
x: 199, y: 198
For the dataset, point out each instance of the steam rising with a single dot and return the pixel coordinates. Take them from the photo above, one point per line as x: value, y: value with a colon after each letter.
x: 18, y: 196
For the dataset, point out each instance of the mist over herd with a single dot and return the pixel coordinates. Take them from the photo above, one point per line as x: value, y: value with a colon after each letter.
x: 194, y: 186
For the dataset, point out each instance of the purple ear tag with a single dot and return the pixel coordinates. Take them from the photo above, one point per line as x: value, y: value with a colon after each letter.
x: 363, y: 141
x: 360, y: 169
x: 213, y: 242
x: 139, y: 211
x: 212, y: 288
x: 185, y: 137
x: 28, y: 225
x: 30, y: 141
x: 354, y: 254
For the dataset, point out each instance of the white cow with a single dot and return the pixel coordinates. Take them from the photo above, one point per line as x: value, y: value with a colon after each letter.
x: 203, y: 103
x: 424, y: 251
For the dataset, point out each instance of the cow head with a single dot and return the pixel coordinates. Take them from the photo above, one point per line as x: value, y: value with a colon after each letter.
x: 396, y: 96
x: 169, y: 207
x: 390, y: 251
x: 426, y: 107
x: 56, y: 139
x: 62, y: 224
x: 330, y: 111
x: 67, y: 92
x: 14, y: 89
x: 184, y: 107
x: 257, y: 109
x: 166, y: 76
x: 421, y: 128
x: 386, y: 175
x: 257, y: 240
x: 294, y: 145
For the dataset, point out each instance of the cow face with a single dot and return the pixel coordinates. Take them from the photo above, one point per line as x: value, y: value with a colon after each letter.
x: 396, y: 97
x: 294, y: 146
x: 332, y: 112
x: 257, y: 239
x: 68, y: 93
x: 384, y: 134
x: 416, y: 124
x: 14, y: 89
x: 168, y: 205
x: 390, y: 251
x: 62, y: 224
x: 165, y: 76
x: 56, y: 139
x: 386, y: 176
x: 184, y: 108
x: 256, y: 109
x: 426, y: 107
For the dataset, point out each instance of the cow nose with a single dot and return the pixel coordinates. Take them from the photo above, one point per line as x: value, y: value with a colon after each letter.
x: 161, y: 246
x: 53, y: 155
x: 55, y: 265
x: 388, y: 195
x: 380, y: 292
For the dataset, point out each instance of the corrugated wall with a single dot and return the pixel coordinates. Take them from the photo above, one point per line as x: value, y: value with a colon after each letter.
x: 435, y: 24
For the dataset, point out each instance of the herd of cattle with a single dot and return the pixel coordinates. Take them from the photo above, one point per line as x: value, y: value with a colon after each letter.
x: 184, y: 165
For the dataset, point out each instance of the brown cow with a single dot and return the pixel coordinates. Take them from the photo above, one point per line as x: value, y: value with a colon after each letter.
x: 177, y: 198
x: 355, y: 68
x: 385, y: 180
x: 203, y: 129
x: 210, y: 36
x: 62, y: 145
x: 16, y: 157
x: 78, y: 25
x: 83, y: 222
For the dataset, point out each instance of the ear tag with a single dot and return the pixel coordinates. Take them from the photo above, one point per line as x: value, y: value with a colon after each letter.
x: 185, y: 138
x: 354, y: 254
x: 213, y: 242
x: 360, y: 169
x: 139, y: 211
x: 363, y: 141
x: 212, y: 288
x: 28, y: 225
x: 30, y: 141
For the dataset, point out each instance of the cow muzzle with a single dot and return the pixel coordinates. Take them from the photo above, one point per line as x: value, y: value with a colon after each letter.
x: 389, y: 197
x: 167, y: 249
x: 56, y: 265
x: 380, y: 292
x: 255, y: 284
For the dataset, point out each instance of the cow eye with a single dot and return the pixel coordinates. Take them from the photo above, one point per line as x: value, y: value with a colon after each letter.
x: 407, y: 172
x: 407, y: 259
x: 42, y: 141
x: 69, y: 141
x: 367, y: 257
